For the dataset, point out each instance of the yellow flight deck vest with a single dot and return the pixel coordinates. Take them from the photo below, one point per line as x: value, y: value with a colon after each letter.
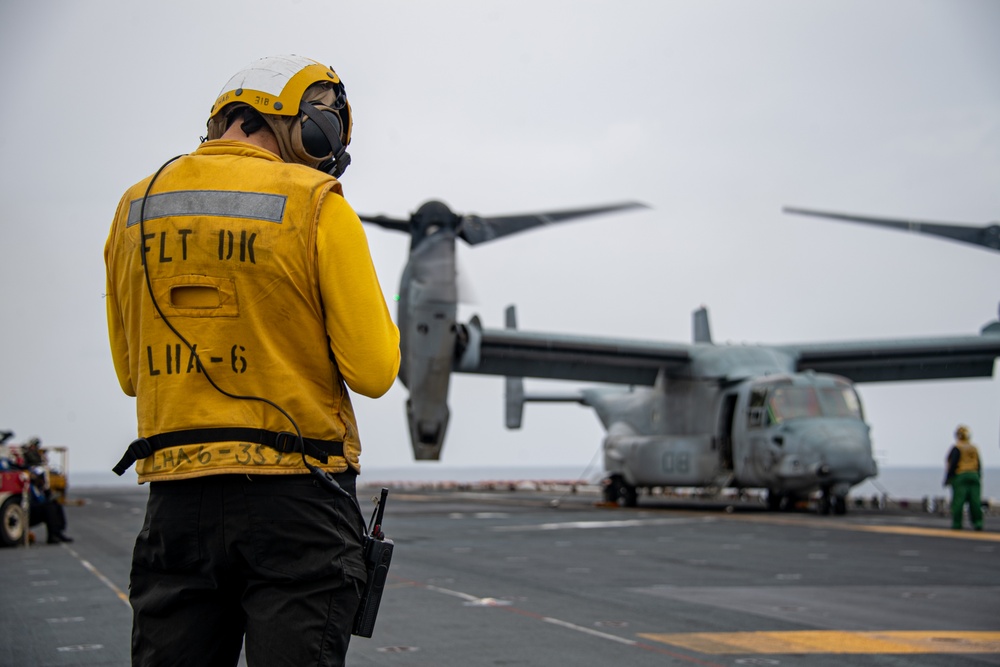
x: 264, y: 269
x: 968, y: 457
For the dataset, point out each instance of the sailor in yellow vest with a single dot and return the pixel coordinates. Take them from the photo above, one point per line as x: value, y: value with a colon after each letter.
x: 964, y: 474
x: 242, y: 306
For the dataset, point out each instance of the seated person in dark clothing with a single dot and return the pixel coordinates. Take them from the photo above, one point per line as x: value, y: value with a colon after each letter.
x: 43, y: 509
x: 32, y: 453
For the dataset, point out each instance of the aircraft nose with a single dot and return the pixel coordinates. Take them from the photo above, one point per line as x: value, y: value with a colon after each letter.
x: 839, y: 451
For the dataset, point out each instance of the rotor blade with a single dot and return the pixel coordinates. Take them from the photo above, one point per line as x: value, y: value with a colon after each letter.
x: 387, y: 222
x: 475, y: 229
x: 987, y: 236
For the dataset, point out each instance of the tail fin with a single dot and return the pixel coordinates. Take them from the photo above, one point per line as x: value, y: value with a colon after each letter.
x: 702, y: 330
x: 514, y: 386
x: 514, y: 397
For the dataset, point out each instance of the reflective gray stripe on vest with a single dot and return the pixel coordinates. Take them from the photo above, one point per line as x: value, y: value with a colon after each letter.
x: 220, y: 203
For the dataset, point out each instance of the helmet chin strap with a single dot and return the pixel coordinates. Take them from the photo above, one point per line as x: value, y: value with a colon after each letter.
x: 338, y: 163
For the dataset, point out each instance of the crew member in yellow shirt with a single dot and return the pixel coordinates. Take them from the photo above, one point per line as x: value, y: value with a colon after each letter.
x: 964, y: 474
x: 242, y: 306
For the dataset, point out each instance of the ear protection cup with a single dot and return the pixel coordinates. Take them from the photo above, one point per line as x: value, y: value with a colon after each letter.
x: 320, y: 137
x: 314, y: 140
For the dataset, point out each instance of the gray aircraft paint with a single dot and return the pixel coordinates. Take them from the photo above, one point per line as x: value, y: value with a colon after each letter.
x: 684, y: 416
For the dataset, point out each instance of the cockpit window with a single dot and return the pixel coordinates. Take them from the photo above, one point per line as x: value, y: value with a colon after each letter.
x: 758, y: 406
x: 792, y: 403
x: 788, y: 401
x: 839, y: 402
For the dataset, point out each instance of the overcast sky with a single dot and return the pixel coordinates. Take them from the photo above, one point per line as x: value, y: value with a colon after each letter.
x: 716, y: 114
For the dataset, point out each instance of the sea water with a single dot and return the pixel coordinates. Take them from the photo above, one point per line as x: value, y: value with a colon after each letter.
x: 897, y: 483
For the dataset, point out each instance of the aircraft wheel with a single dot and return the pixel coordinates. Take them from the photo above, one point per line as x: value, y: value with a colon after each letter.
x: 774, y: 499
x: 824, y: 502
x: 791, y: 502
x: 630, y: 495
x: 840, y: 505
x: 613, y: 489
x: 13, y: 521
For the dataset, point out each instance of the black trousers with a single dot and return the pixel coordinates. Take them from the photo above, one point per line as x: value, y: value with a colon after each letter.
x: 51, y: 514
x: 272, y: 560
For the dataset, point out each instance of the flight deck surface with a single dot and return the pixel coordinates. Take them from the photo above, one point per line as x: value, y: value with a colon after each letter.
x: 545, y: 578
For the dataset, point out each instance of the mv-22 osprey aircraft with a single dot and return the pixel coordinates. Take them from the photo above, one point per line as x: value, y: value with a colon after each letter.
x: 784, y: 418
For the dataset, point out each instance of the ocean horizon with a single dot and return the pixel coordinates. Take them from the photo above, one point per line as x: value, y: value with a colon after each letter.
x: 898, y: 483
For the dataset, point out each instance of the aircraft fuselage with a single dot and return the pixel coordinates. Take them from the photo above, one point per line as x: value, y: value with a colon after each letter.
x: 789, y: 433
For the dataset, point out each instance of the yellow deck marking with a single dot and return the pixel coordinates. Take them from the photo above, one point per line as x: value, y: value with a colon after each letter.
x: 820, y: 522
x: 933, y: 532
x: 832, y: 641
x: 123, y: 596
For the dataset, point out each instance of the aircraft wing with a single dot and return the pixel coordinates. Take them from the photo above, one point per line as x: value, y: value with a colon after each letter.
x: 903, y: 359
x: 516, y: 353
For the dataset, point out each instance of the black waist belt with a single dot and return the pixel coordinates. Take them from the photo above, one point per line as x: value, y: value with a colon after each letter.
x: 282, y: 441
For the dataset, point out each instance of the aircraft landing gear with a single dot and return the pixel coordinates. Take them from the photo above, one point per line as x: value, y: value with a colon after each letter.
x: 613, y: 489
x: 630, y: 495
x: 781, y: 502
x: 616, y: 488
x: 774, y: 500
x: 829, y: 502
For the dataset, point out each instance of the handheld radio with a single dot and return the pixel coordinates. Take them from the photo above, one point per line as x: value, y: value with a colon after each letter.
x: 378, y: 555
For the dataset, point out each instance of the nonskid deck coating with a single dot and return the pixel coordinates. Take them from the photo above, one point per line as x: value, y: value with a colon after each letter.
x: 517, y: 579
